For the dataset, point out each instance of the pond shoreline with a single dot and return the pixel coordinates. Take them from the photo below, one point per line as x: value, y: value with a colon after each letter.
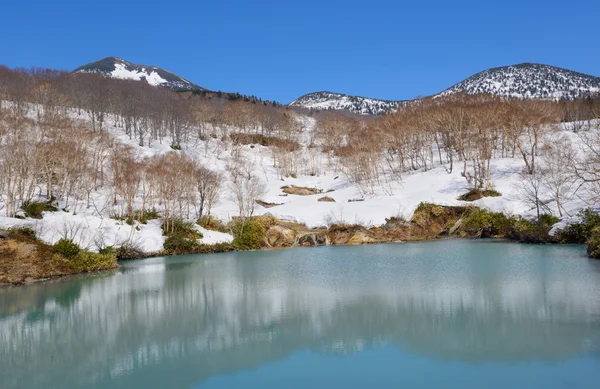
x: 430, y: 222
x: 31, y: 281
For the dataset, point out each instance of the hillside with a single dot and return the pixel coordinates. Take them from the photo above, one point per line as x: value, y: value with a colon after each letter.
x: 110, y: 172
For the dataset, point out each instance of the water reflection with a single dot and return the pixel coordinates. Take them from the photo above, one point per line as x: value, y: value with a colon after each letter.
x: 176, y: 322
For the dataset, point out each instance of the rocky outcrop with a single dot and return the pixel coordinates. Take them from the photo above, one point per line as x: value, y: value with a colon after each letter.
x: 342, y: 233
x: 429, y: 222
x: 361, y: 237
x: 280, y: 236
x: 313, y: 238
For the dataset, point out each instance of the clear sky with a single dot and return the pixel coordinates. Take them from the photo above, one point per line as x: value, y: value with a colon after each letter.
x: 282, y: 49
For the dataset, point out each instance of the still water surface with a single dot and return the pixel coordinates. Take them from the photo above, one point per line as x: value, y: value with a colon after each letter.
x: 452, y: 314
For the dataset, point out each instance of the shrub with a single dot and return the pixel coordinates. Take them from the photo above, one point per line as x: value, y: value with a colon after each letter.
x: 141, y: 216
x: 177, y: 226
x: 181, y: 237
x: 147, y: 214
x: 177, y: 244
x: 211, y: 223
x: 34, y: 209
x: 593, y: 243
x: 248, y: 234
x: 67, y: 248
x: 88, y: 261
x: 548, y: 220
x: 529, y: 231
x: 476, y: 194
x: 486, y: 224
x: 107, y: 250
x: 123, y: 253
x: 176, y: 147
x: 215, y: 248
x: 581, y: 231
x: 23, y: 232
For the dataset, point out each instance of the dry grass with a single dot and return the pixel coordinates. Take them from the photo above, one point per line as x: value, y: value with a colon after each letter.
x: 327, y: 199
x: 300, y: 190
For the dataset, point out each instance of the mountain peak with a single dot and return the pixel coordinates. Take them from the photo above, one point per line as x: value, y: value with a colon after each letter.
x: 116, y: 67
x: 528, y: 81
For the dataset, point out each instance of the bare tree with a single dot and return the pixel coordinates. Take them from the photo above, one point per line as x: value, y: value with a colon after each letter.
x: 531, y: 188
x: 245, y: 191
x: 559, y: 178
x: 209, y: 187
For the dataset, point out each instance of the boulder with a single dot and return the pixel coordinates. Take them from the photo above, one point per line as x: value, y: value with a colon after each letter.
x: 279, y: 236
x: 3, y: 235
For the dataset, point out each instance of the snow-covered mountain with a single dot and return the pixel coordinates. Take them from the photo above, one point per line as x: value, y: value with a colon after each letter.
x: 526, y: 80
x: 324, y: 101
x: 119, y: 68
x: 529, y: 81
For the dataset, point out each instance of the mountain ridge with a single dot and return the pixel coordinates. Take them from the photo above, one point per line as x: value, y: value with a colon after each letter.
x: 525, y: 80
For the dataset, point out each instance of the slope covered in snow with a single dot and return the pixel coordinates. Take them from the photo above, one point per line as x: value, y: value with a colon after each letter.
x: 119, y: 68
x: 324, y: 101
x: 528, y: 81
x: 395, y: 195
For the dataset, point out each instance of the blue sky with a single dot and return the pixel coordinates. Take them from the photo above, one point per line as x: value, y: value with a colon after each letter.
x: 282, y: 49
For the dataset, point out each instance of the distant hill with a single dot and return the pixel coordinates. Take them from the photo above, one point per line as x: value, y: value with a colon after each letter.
x: 324, y: 101
x: 528, y: 81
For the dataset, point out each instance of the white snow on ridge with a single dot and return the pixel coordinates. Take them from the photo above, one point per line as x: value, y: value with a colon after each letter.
x: 336, y: 101
x: 123, y: 73
x: 528, y: 81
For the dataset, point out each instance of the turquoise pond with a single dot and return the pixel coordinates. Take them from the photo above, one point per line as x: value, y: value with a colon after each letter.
x: 448, y: 314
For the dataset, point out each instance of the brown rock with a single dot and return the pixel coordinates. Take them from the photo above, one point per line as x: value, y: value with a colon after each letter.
x: 312, y: 239
x: 279, y: 236
x: 267, y: 205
